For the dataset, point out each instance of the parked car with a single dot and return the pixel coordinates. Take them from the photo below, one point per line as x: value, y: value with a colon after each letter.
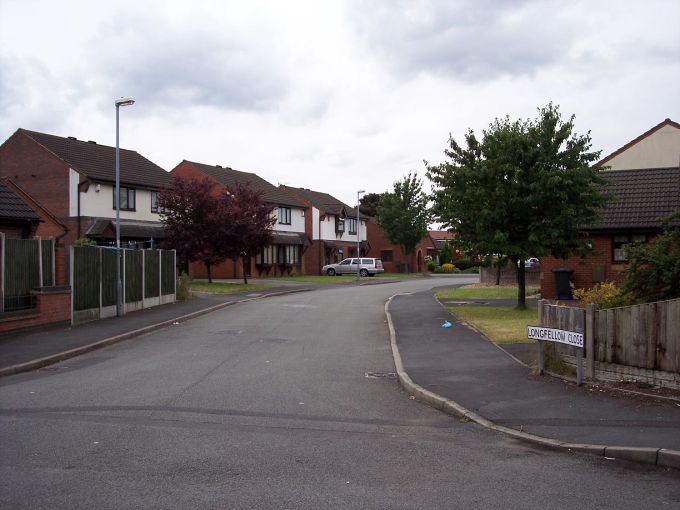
x: 368, y: 267
x: 532, y: 262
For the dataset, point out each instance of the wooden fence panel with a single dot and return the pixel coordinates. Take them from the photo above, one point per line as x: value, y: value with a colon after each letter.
x: 167, y: 272
x: 22, y: 273
x: 109, y: 277
x: 645, y: 336
x: 134, y: 286
x: 47, y: 250
x: 86, y: 277
x: 151, y: 273
x: 668, y: 351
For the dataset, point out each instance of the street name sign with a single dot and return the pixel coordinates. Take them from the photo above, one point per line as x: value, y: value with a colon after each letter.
x: 555, y: 335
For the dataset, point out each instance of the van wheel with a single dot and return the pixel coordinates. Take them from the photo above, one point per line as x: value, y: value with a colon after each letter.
x: 363, y: 272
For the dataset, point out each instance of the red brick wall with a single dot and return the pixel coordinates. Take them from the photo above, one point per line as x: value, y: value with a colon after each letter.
x: 583, y: 277
x: 36, y: 170
x: 53, y: 306
x: 379, y: 242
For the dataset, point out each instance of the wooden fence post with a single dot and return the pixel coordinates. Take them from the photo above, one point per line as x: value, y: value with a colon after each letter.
x: 40, y: 261
x: 541, y: 360
x: 590, y: 340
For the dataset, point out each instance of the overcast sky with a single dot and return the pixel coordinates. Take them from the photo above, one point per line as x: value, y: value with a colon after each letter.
x: 334, y: 96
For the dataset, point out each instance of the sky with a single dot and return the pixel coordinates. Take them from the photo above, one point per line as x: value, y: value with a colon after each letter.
x: 335, y: 96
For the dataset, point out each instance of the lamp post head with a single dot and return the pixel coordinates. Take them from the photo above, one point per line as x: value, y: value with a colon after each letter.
x: 124, y: 101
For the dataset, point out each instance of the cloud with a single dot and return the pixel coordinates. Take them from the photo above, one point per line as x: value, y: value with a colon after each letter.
x: 191, y: 65
x: 27, y: 92
x: 470, y: 40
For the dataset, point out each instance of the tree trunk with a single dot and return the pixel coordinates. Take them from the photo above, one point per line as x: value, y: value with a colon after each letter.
x: 498, y: 273
x: 207, y: 266
x: 521, y: 284
x: 245, y: 272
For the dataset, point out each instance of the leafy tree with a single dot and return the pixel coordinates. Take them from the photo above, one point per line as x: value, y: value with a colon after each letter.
x: 653, y: 272
x: 445, y: 255
x: 404, y: 214
x: 525, y: 189
x: 369, y: 204
x: 191, y: 216
x: 248, y: 223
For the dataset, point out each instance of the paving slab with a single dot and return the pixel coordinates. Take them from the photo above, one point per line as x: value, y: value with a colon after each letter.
x: 461, y: 365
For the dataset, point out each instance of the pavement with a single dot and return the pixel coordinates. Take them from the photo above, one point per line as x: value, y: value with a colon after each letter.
x: 455, y: 370
x: 460, y: 372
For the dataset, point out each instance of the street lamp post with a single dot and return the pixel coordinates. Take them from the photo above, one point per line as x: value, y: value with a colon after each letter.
x: 359, y: 235
x: 123, y: 101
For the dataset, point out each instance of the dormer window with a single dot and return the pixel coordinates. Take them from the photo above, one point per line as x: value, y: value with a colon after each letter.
x: 339, y: 225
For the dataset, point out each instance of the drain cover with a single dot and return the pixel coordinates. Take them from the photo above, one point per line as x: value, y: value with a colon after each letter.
x: 380, y: 375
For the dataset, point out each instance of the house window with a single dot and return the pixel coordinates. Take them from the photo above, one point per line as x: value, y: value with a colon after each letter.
x: 290, y: 255
x: 386, y: 255
x: 154, y: 203
x: 284, y: 215
x: 339, y: 225
x: 127, y: 198
x: 266, y: 257
x: 352, y: 225
x: 621, y: 243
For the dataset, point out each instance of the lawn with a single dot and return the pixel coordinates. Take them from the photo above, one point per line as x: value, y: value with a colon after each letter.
x: 501, y: 324
x: 482, y: 293
x: 225, y: 288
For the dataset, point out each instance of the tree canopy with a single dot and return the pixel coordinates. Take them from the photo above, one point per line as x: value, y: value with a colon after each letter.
x: 247, y: 223
x: 207, y: 225
x: 369, y: 204
x: 404, y: 213
x: 653, y: 272
x: 188, y: 211
x: 525, y: 189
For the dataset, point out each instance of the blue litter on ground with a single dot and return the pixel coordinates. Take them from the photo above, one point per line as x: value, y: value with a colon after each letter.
x: 446, y: 324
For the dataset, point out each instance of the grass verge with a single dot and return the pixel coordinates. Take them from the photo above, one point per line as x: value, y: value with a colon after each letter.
x: 225, y: 288
x: 501, y: 324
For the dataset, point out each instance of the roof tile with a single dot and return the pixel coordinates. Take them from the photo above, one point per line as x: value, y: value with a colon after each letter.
x: 230, y: 177
x: 98, y: 162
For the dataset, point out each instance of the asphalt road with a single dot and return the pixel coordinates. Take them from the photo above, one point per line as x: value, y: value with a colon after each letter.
x: 267, y: 405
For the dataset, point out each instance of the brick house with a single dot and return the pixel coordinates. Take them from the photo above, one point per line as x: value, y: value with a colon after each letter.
x: 73, y: 182
x: 23, y: 218
x: 393, y: 257
x: 642, y: 195
x: 289, y: 241
x: 332, y: 227
x: 17, y: 219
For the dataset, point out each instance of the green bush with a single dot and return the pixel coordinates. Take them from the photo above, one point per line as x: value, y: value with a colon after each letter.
x: 84, y: 241
x: 604, y: 295
x: 449, y: 268
x: 470, y: 270
x: 437, y: 269
x: 445, y: 255
x: 183, y: 289
x: 653, y: 272
x: 464, y: 264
